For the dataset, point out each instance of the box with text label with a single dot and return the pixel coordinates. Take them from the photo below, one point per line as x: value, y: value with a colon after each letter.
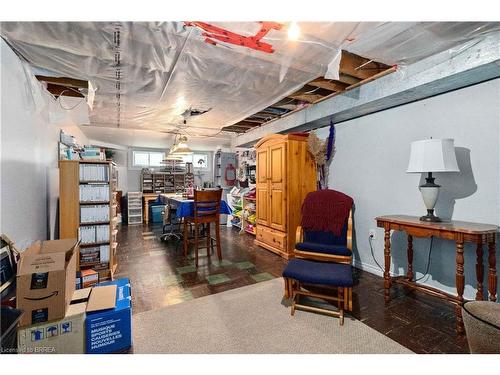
x: 109, y: 330
x: 45, y: 280
x: 98, y: 320
x: 65, y: 336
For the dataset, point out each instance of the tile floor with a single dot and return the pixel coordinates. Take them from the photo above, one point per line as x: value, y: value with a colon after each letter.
x: 160, y: 275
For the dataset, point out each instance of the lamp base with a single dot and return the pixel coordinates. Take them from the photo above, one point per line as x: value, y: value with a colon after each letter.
x: 430, y: 217
x: 430, y: 192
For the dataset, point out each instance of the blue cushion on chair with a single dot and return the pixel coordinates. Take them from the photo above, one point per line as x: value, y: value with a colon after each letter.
x: 323, y: 248
x: 326, y: 237
x: 312, y: 272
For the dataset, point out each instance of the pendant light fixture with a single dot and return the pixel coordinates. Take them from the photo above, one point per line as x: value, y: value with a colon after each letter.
x: 181, y: 148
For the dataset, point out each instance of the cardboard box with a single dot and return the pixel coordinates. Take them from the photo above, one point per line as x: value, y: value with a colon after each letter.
x: 65, y: 336
x: 46, y: 280
x: 89, y: 277
x: 109, y: 329
x: 78, y: 280
x: 98, y: 320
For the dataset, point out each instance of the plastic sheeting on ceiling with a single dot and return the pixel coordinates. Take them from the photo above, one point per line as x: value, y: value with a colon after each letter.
x: 146, y: 75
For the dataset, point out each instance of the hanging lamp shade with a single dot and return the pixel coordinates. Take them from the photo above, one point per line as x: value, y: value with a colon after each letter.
x: 181, y: 148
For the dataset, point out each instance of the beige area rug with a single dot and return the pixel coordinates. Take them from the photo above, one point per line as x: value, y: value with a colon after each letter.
x: 251, y: 319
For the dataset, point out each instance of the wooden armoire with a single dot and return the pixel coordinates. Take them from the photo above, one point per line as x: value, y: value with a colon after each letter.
x: 286, y: 172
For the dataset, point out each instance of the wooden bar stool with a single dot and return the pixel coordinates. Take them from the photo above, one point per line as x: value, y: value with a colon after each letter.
x: 206, y: 211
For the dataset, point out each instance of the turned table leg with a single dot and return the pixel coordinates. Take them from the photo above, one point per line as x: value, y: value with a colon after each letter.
x: 387, y: 263
x: 410, y: 258
x: 492, y: 269
x: 460, y: 283
x: 479, y: 271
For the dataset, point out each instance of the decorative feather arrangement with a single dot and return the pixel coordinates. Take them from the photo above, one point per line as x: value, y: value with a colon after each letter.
x: 330, y: 149
x: 323, y: 152
x: 317, y: 148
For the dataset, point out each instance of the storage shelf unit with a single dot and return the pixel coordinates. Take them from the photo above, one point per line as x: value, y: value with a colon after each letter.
x: 88, y: 209
x: 162, y: 182
x: 249, y: 209
x: 134, y: 207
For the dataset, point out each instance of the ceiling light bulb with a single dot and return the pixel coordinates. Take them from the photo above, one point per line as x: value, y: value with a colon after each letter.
x: 293, y: 31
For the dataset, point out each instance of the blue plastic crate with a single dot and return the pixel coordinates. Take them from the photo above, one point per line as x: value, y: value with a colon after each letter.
x: 156, y: 216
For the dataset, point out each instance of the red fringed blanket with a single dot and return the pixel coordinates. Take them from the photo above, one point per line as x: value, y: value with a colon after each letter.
x: 326, y: 210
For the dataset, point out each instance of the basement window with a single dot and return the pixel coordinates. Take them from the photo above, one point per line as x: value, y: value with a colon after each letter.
x: 147, y: 158
x: 199, y: 160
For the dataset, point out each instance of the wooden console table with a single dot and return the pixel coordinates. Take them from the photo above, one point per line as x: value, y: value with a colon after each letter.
x: 458, y: 231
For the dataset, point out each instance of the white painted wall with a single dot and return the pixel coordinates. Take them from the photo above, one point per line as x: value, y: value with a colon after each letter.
x: 29, y: 175
x: 371, y: 160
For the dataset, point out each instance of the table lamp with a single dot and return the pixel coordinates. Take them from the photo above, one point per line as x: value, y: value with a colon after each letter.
x: 428, y: 156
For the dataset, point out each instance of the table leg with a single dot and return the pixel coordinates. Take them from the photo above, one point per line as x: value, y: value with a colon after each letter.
x: 387, y: 264
x: 146, y: 211
x: 492, y: 269
x: 460, y: 283
x: 479, y: 271
x: 410, y: 258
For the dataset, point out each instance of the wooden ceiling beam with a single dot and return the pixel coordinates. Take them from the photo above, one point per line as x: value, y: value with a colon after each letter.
x: 347, y: 79
x: 247, y: 125
x: 254, y: 120
x: 359, y: 67
x: 331, y: 85
x: 64, y: 81
x: 58, y: 90
x: 309, y: 98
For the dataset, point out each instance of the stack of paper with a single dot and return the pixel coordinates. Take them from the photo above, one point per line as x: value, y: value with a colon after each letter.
x: 94, y: 233
x: 94, y: 193
x: 94, y: 172
x: 94, y: 213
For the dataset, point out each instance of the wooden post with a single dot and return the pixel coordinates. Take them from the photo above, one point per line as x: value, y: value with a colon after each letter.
x: 410, y: 258
x: 387, y: 264
x: 460, y: 281
x: 492, y: 271
x: 479, y: 271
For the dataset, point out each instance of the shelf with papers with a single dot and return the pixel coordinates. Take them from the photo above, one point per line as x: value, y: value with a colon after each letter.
x: 82, y: 185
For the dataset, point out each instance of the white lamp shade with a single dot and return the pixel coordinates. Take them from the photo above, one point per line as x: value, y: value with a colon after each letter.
x: 432, y: 155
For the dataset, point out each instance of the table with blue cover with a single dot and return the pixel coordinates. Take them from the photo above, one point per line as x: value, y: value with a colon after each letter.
x: 185, y: 207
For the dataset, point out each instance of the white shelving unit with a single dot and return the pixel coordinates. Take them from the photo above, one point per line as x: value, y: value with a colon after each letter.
x: 134, y: 208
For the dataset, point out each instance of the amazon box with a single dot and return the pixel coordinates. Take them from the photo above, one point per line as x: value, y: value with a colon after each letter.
x: 65, y: 336
x: 46, y: 280
x: 69, y: 335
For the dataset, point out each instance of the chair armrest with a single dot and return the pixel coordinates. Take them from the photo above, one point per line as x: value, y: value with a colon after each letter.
x: 299, y: 235
x: 349, y: 231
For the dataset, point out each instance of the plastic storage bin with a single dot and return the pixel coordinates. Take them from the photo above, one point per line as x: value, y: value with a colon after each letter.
x: 156, y: 215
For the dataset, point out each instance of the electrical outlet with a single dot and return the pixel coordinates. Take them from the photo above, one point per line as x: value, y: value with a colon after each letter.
x: 372, y: 233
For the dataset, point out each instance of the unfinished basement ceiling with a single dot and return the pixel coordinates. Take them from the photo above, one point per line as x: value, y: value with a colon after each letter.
x: 153, y: 76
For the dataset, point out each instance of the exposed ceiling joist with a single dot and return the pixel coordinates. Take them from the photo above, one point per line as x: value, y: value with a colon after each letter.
x: 64, y: 81
x: 359, y: 67
x: 58, y: 90
x: 64, y: 86
x: 346, y: 78
x: 354, y: 71
x: 329, y: 84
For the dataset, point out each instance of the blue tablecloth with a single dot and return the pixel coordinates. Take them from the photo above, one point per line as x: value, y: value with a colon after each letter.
x: 185, y: 207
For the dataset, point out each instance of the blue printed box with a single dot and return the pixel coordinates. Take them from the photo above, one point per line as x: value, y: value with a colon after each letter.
x: 109, y: 330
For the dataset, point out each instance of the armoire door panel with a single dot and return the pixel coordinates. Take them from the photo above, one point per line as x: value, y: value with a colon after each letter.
x: 262, y: 206
x: 278, y: 210
x: 277, y: 166
x: 262, y: 166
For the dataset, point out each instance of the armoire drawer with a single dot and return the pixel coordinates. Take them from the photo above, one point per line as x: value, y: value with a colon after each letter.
x: 271, y: 237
